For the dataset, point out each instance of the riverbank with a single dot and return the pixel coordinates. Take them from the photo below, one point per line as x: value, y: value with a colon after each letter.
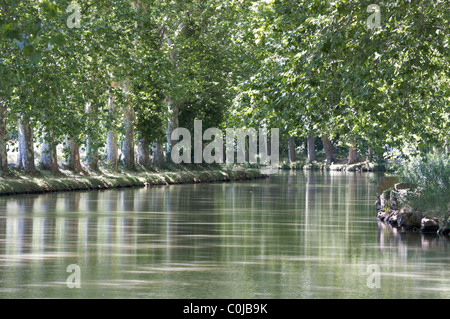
x: 43, y: 181
x: 340, y: 166
x: 393, y: 209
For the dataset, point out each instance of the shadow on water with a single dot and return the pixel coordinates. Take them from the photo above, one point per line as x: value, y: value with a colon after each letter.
x: 393, y: 236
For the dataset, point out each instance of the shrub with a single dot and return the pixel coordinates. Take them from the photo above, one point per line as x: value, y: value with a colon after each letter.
x: 431, y: 174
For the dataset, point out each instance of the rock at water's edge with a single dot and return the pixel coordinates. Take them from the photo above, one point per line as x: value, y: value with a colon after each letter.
x: 382, y: 215
x: 388, y: 204
x: 393, y: 217
x: 384, y: 200
x: 393, y: 200
x: 409, y: 220
x: 378, y: 206
x: 429, y: 225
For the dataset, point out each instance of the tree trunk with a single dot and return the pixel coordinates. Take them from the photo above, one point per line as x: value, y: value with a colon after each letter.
x: 158, y: 156
x: 128, y: 142
x: 25, y: 161
x: 73, y: 156
x: 3, y: 132
x: 112, y: 149
x: 311, y: 148
x: 92, y: 156
x: 447, y: 146
x: 328, y: 147
x: 247, y: 150
x: 49, y: 156
x: 144, y: 152
x: 352, y: 152
x: 370, y: 154
x: 172, y: 106
x: 292, y: 155
x: 174, y: 109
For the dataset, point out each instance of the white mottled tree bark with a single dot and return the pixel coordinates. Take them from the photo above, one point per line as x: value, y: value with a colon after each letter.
x: 112, y: 149
x: 144, y: 152
x: 3, y: 152
x: 158, y: 154
x: 92, y: 156
x: 328, y: 147
x: 292, y: 155
x: 73, y: 156
x: 311, y: 148
x: 25, y: 160
x: 49, y: 155
x: 352, y: 152
x: 128, y: 141
x: 172, y: 124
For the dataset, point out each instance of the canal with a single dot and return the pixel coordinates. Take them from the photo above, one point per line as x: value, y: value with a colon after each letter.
x: 294, y: 235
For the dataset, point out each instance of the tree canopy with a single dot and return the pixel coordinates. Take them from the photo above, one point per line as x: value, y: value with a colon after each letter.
x: 344, y: 69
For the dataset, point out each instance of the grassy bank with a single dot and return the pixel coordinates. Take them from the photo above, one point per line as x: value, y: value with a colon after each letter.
x: 43, y: 181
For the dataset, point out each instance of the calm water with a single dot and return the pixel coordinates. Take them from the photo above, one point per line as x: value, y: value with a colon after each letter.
x: 294, y: 235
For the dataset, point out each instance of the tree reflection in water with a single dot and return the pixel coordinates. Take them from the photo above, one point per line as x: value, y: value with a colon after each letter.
x: 296, y: 235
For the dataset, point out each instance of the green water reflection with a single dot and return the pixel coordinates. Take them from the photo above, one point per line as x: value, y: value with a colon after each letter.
x: 294, y: 235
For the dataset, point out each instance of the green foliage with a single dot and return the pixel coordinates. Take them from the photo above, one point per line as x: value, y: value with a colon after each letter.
x: 302, y: 66
x: 431, y: 174
x: 320, y: 68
